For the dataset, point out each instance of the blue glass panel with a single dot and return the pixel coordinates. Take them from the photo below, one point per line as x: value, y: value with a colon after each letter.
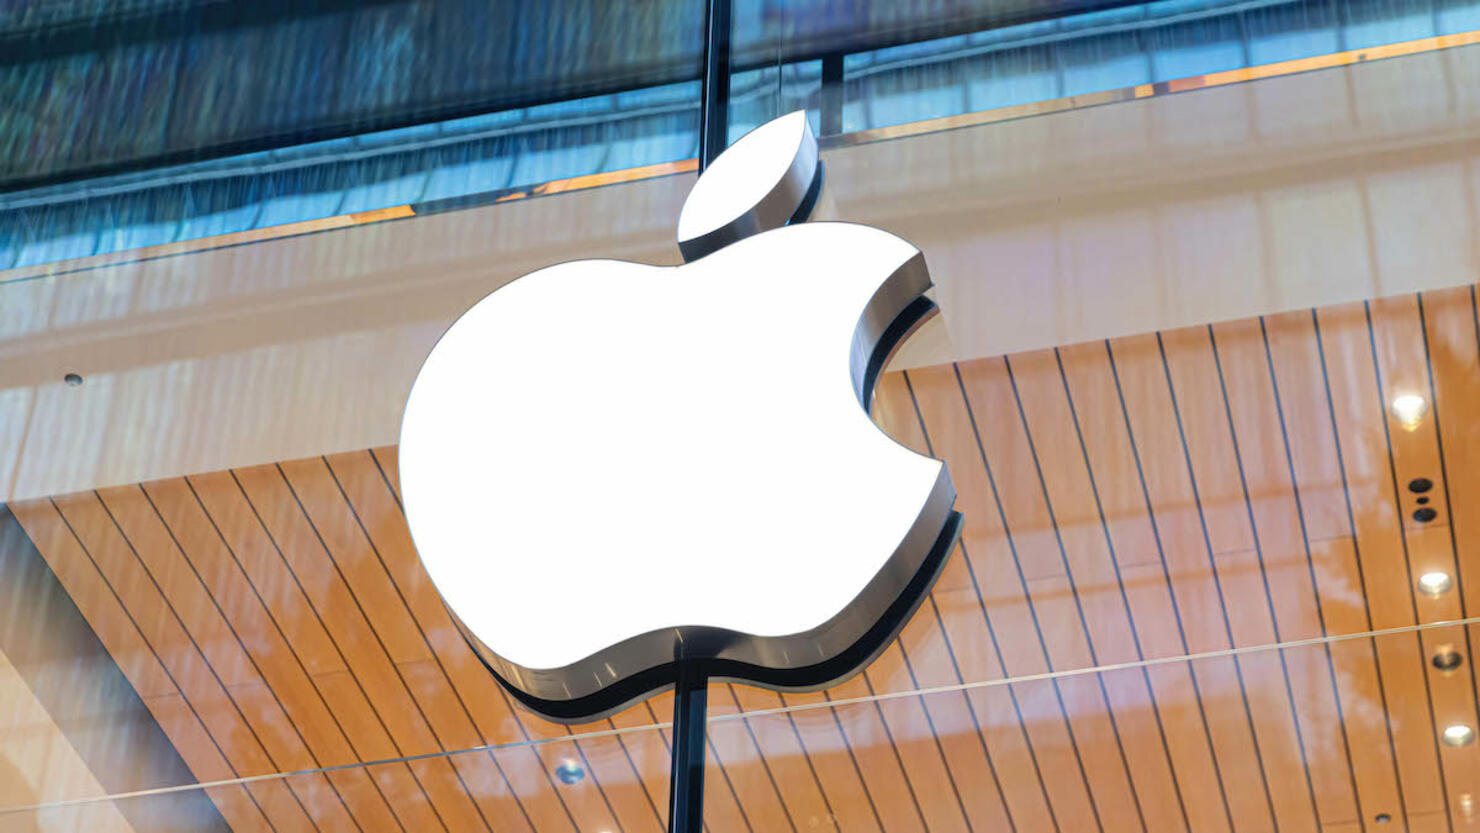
x: 757, y: 96
x: 1373, y: 22
x: 141, y: 218
x: 1017, y: 76
x: 1105, y: 18
x: 1196, y: 48
x: 1169, y: 8
x: 668, y: 136
x: 596, y: 105
x: 56, y: 233
x: 320, y: 150
x: 405, y: 135
x: 302, y: 194
x: 1104, y: 63
x: 221, y: 206
x: 244, y: 161
x: 684, y: 95
x: 754, y: 98
x: 900, y: 91
x: 557, y: 154
x: 381, y: 182
x: 1023, y: 32
x: 1295, y: 30
x: 930, y: 49
x: 471, y: 168
x: 1454, y: 16
x: 12, y: 237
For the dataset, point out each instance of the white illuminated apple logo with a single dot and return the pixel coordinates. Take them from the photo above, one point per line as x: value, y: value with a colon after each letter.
x: 610, y: 467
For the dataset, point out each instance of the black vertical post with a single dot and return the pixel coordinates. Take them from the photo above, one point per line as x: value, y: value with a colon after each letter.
x: 832, y: 94
x: 686, y: 788
x: 714, y: 115
x: 691, y: 693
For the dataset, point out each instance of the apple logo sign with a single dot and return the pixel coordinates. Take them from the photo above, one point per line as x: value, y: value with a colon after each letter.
x: 612, y: 470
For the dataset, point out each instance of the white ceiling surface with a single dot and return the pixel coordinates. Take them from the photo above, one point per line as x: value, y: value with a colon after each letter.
x: 1209, y: 205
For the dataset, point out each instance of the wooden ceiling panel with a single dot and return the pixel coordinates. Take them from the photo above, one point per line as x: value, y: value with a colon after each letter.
x: 1209, y: 490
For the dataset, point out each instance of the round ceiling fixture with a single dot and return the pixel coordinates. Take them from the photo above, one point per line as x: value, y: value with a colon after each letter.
x: 1446, y: 658
x: 1434, y: 583
x: 1410, y: 408
x: 1458, y: 734
x: 569, y: 772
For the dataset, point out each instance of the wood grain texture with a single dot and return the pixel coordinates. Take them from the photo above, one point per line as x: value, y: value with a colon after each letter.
x: 1145, y: 498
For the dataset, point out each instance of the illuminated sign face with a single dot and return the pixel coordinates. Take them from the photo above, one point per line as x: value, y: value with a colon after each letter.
x: 610, y: 467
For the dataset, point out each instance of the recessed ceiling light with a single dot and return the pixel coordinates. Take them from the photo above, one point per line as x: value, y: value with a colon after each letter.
x: 1435, y: 583
x: 1446, y: 658
x: 1458, y: 734
x: 1410, y: 408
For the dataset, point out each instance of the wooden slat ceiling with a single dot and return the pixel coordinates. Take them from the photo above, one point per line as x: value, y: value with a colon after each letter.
x: 1144, y: 498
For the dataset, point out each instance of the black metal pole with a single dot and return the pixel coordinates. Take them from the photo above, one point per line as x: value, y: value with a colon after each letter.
x: 832, y: 94
x: 686, y: 787
x: 691, y: 693
x: 714, y: 115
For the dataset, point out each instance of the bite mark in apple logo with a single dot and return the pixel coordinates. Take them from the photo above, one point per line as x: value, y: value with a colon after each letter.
x: 610, y: 469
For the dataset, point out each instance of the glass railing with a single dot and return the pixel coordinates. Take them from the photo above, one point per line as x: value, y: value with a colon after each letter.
x: 1333, y: 734
x: 444, y: 164
x: 362, y: 173
x: 1117, y: 48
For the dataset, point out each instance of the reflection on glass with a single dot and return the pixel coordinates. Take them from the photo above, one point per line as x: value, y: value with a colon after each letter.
x: 435, y: 162
x: 1247, y: 738
x: 866, y: 66
x: 960, y: 58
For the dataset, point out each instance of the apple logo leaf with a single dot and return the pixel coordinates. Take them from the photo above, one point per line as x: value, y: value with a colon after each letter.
x: 611, y: 469
x: 768, y: 179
